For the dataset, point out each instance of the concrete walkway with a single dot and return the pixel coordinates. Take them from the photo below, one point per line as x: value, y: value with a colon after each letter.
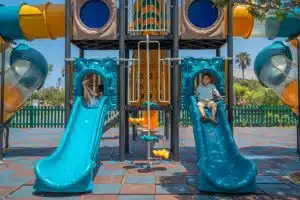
x: 273, y: 150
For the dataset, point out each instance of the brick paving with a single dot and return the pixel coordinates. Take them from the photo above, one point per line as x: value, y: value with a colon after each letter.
x: 272, y: 149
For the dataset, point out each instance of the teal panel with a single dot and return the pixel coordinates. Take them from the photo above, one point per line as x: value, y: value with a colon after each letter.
x: 9, y: 23
x: 106, y: 68
x: 192, y: 67
x: 289, y: 27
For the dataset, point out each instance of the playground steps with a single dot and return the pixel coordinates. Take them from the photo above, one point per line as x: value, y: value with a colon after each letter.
x: 111, y: 122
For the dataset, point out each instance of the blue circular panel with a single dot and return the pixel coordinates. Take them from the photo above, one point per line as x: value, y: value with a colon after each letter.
x: 94, y: 14
x: 202, y: 13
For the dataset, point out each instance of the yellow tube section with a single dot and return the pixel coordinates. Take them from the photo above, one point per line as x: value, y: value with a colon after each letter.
x: 243, y: 22
x: 42, y: 21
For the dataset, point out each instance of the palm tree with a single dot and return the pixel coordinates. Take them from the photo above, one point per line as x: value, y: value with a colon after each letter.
x: 244, y: 61
x: 59, y: 83
x: 62, y: 71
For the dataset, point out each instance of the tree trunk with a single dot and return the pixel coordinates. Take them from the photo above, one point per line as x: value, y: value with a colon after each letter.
x: 243, y: 71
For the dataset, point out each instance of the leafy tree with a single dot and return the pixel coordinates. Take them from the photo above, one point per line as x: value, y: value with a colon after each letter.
x: 254, y: 93
x: 251, y: 84
x: 50, y: 68
x: 260, y: 8
x: 244, y: 61
x: 239, y: 91
x: 51, y: 96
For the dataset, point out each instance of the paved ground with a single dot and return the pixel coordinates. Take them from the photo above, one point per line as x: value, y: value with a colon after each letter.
x: 273, y: 149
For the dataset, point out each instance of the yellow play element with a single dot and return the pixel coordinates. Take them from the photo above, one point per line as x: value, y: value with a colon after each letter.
x: 5, y: 150
x: 153, y: 119
x: 243, y: 22
x: 161, y: 153
x: 290, y: 96
x: 136, y: 121
x: 144, y: 121
x: 43, y: 21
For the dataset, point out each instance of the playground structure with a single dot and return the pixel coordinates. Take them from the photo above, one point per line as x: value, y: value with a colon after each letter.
x: 146, y: 28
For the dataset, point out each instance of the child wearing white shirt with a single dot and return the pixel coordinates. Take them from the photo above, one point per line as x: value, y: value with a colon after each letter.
x: 206, y: 92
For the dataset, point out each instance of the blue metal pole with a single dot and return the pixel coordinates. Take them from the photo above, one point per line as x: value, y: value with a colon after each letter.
x: 2, y: 102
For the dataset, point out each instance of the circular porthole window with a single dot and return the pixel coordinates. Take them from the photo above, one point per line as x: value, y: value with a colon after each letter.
x: 202, y: 13
x: 94, y: 14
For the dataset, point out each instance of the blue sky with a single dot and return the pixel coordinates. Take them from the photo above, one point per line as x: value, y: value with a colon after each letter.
x: 53, y: 50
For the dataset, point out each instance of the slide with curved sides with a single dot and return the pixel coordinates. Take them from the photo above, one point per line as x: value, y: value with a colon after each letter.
x: 70, y: 168
x: 222, y: 168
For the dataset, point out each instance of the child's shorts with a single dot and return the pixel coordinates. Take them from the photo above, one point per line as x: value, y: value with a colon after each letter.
x: 209, y: 104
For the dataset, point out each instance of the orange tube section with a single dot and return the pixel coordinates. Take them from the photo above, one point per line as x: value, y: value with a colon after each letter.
x: 294, y: 43
x: 13, y: 99
x: 290, y: 96
x: 6, y: 45
x: 243, y: 22
x: 42, y: 21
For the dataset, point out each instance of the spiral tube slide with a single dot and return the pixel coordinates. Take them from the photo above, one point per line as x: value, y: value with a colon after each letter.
x: 32, y: 22
x: 274, y: 68
x: 26, y: 71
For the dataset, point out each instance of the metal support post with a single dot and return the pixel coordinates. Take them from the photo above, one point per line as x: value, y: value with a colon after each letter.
x: 218, y: 52
x: 121, y: 77
x: 67, y: 61
x: 176, y: 82
x: 167, y: 124
x: 148, y: 100
x: 298, y: 126
x: 6, y: 130
x: 230, y: 64
x: 126, y: 112
x: 81, y: 53
x: 171, y: 111
x: 134, y: 130
x: 2, y: 102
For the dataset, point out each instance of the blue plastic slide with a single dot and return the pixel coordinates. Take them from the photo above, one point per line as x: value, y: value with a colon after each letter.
x: 70, y: 168
x: 221, y: 167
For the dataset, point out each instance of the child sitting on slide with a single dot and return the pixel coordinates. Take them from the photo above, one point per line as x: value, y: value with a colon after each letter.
x: 206, y: 92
